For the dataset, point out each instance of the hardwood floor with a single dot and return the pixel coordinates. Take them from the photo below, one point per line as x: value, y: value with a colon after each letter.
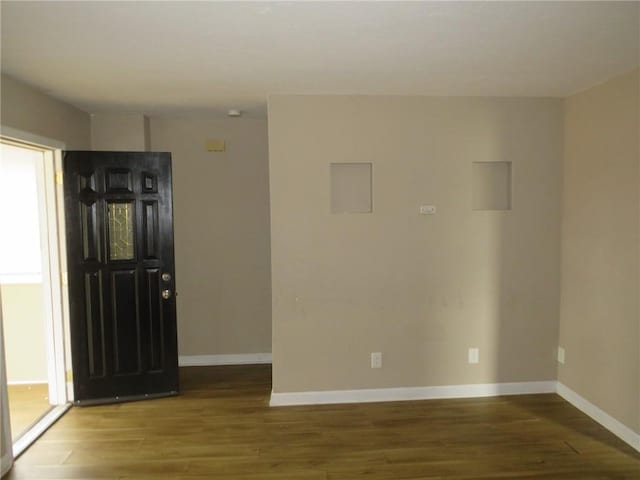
x: 221, y: 427
x: 27, y: 403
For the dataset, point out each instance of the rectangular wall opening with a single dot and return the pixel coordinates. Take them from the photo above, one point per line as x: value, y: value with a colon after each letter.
x: 491, y: 186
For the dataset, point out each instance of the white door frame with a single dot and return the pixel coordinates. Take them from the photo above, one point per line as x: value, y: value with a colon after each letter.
x: 6, y: 447
x: 52, y: 241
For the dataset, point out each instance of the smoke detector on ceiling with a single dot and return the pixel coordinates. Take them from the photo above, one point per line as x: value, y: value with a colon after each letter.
x: 234, y: 113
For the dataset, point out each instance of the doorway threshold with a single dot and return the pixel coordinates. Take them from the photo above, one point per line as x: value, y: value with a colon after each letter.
x: 38, y: 428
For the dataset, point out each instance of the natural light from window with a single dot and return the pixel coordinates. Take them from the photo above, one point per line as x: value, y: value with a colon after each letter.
x: 20, y: 255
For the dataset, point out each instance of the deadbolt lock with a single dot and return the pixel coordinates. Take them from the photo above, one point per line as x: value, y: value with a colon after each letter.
x: 166, y: 276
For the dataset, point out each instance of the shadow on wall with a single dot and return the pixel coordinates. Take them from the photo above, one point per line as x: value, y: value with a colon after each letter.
x: 525, y: 305
x: 526, y: 273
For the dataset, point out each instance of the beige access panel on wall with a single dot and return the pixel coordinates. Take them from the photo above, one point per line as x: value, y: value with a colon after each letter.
x: 351, y: 185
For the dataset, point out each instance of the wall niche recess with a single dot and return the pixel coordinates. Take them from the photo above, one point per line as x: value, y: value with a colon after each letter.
x: 351, y: 185
x: 491, y: 186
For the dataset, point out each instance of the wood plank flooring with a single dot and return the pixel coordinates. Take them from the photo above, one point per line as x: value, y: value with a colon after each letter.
x: 222, y: 428
x: 27, y: 403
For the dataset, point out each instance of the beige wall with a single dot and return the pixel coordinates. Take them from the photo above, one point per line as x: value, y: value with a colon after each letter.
x: 221, y: 205
x: 24, y: 108
x: 600, y: 315
x: 128, y: 132
x: 221, y: 211
x: 419, y: 289
x: 23, y: 316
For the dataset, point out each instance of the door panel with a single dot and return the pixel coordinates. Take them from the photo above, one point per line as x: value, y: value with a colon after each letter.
x: 154, y: 306
x: 119, y: 222
x: 94, y: 317
x: 90, y: 231
x: 150, y: 229
x: 126, y: 322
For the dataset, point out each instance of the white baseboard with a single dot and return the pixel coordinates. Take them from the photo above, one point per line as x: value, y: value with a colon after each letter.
x: 410, y: 393
x: 230, y: 359
x: 27, y: 382
x: 600, y: 416
x: 420, y: 393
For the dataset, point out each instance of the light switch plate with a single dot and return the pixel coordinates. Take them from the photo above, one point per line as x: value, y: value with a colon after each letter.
x: 427, y: 209
x: 376, y: 359
x: 474, y: 355
x: 561, y: 355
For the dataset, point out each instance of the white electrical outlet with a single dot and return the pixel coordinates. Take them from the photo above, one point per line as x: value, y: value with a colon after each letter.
x: 376, y: 359
x: 561, y: 355
x: 474, y: 355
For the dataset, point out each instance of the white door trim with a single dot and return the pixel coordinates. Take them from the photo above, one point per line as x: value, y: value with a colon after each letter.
x: 30, y: 138
x: 52, y: 284
x: 5, y: 425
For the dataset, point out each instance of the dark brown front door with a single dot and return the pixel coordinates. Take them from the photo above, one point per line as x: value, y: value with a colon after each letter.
x: 119, y: 227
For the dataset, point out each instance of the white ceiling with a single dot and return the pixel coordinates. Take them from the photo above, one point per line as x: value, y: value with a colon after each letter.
x: 167, y: 56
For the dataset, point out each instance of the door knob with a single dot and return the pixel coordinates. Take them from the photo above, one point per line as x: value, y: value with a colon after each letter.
x: 166, y: 294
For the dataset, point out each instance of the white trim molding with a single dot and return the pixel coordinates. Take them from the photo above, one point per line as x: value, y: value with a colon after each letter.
x: 38, y: 428
x: 228, y: 359
x: 410, y: 393
x: 603, y: 418
x: 28, y: 137
x: 27, y: 382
